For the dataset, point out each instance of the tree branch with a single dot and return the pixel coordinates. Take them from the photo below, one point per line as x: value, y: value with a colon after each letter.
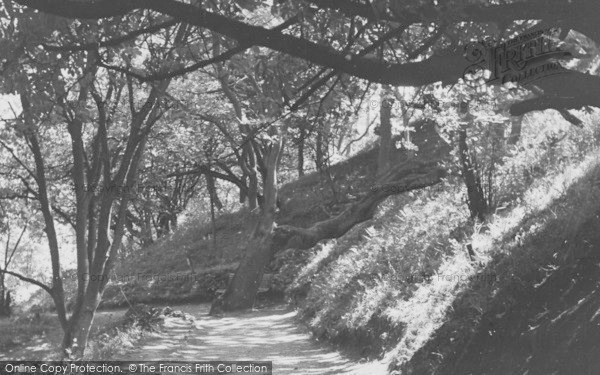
x: 567, y: 90
x: 29, y: 280
x: 199, y: 65
x: 446, y: 68
x: 111, y: 42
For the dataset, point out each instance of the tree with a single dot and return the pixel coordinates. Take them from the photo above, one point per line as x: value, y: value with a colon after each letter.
x: 106, y: 145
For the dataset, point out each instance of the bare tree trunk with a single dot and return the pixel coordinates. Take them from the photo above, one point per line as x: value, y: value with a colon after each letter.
x: 319, y: 154
x: 3, y: 275
x: 212, y: 192
x: 147, y: 228
x: 2, y: 294
x: 385, y: 131
x: 300, y: 164
x: 248, y: 165
x: 243, y: 288
x: 475, y: 196
x: 164, y: 224
x: 57, y: 290
x: 252, y: 180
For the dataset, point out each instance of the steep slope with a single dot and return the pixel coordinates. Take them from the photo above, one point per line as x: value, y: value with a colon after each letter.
x: 543, y: 314
x: 414, y: 284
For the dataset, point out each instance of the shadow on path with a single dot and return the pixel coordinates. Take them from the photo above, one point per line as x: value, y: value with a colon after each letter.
x: 269, y: 334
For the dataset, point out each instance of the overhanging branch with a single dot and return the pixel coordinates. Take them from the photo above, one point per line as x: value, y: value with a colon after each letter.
x: 111, y: 42
x: 446, y: 68
x: 199, y: 65
x: 28, y: 280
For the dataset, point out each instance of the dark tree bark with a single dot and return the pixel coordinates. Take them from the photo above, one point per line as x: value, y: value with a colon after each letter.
x: 2, y: 294
x: 475, y: 196
x: 164, y: 224
x: 300, y: 165
x: 384, y: 160
x: 319, y: 152
x: 146, y: 230
x: 5, y: 303
x: 248, y: 164
x: 214, y: 201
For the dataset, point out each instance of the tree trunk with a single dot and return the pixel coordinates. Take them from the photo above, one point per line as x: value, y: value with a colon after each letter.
x: 242, y: 290
x: 301, y: 155
x: 2, y: 293
x: 248, y: 166
x: 475, y: 196
x: 214, y: 201
x: 57, y: 289
x: 164, y: 224
x: 146, y: 228
x: 385, y: 131
x: 213, y: 222
x: 253, y: 191
x: 515, y: 129
x: 319, y: 154
x: 76, y: 336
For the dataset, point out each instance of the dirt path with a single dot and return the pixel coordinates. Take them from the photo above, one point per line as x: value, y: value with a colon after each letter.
x: 268, y: 334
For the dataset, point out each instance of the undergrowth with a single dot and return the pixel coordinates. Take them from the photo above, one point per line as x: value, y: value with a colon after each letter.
x: 139, y: 322
x: 522, y: 249
x: 388, y: 285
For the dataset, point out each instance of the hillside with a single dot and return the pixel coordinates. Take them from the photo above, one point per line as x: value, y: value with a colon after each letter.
x: 311, y: 198
x: 541, y: 316
x: 403, y: 287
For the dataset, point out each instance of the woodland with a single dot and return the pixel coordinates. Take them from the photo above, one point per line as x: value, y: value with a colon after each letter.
x: 348, y: 151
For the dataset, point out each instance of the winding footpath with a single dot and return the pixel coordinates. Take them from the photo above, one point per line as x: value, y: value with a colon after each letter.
x: 269, y: 334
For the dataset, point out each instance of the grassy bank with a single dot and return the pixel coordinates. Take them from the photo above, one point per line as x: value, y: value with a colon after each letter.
x: 389, y: 286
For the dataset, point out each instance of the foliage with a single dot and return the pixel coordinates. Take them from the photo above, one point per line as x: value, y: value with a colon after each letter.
x: 389, y: 284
